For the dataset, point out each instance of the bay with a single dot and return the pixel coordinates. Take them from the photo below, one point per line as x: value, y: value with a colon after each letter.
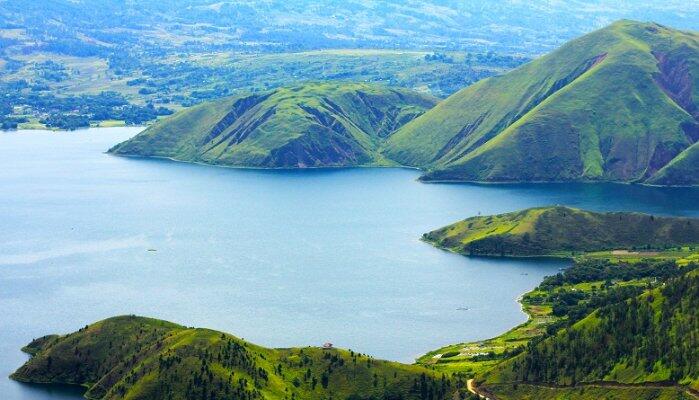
x: 280, y: 258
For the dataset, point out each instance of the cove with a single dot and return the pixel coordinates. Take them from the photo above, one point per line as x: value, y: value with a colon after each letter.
x: 280, y: 258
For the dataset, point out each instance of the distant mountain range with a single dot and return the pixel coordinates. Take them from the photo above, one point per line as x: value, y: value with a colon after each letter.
x: 532, y: 28
x: 619, y: 104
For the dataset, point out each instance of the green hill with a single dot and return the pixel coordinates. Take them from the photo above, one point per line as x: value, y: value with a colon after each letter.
x: 618, y: 104
x: 648, y: 341
x: 140, y: 358
x: 563, y: 231
x: 314, y: 125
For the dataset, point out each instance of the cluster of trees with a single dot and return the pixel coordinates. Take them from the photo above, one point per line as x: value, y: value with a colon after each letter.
x: 492, y: 58
x: 439, y: 57
x: 66, y: 121
x: 7, y: 121
x: 195, y: 372
x: 51, y: 71
x: 72, y: 112
x: 228, y: 368
x: 591, y: 270
x: 489, y: 58
x: 431, y: 389
x: 573, y: 305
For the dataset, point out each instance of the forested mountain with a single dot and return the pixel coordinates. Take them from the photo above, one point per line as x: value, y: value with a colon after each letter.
x: 620, y: 323
x: 314, y: 125
x: 141, y: 358
x: 652, y: 338
x: 618, y: 104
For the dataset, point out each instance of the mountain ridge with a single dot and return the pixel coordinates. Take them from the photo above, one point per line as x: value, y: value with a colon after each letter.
x: 312, y: 125
x: 614, y: 105
x: 643, y: 341
x: 618, y: 105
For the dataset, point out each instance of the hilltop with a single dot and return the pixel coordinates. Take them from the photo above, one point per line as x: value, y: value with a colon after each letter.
x: 141, y: 358
x: 618, y: 104
x: 313, y: 125
x: 563, y: 231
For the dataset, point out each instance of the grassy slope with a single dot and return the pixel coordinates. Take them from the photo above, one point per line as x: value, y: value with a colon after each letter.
x: 590, y: 110
x: 683, y: 170
x: 563, y: 231
x: 636, y: 342
x: 304, y: 126
x: 139, y: 358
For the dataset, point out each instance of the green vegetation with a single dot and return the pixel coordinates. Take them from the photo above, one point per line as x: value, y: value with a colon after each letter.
x: 69, y: 112
x: 314, y: 125
x: 566, y: 232
x: 560, y: 301
x: 646, y: 339
x: 140, y: 358
x: 470, y: 359
x: 618, y: 104
x: 620, y: 323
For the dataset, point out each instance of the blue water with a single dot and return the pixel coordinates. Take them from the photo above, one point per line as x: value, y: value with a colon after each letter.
x: 281, y: 258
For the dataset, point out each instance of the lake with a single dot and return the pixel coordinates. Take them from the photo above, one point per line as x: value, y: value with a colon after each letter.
x: 280, y: 258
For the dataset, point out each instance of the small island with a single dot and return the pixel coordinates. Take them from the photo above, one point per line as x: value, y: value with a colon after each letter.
x: 565, y: 232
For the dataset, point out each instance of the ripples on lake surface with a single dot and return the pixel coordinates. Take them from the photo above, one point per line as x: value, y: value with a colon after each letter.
x: 281, y: 258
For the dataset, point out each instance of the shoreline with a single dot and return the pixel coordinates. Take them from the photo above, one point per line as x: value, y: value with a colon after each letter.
x: 400, y: 166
